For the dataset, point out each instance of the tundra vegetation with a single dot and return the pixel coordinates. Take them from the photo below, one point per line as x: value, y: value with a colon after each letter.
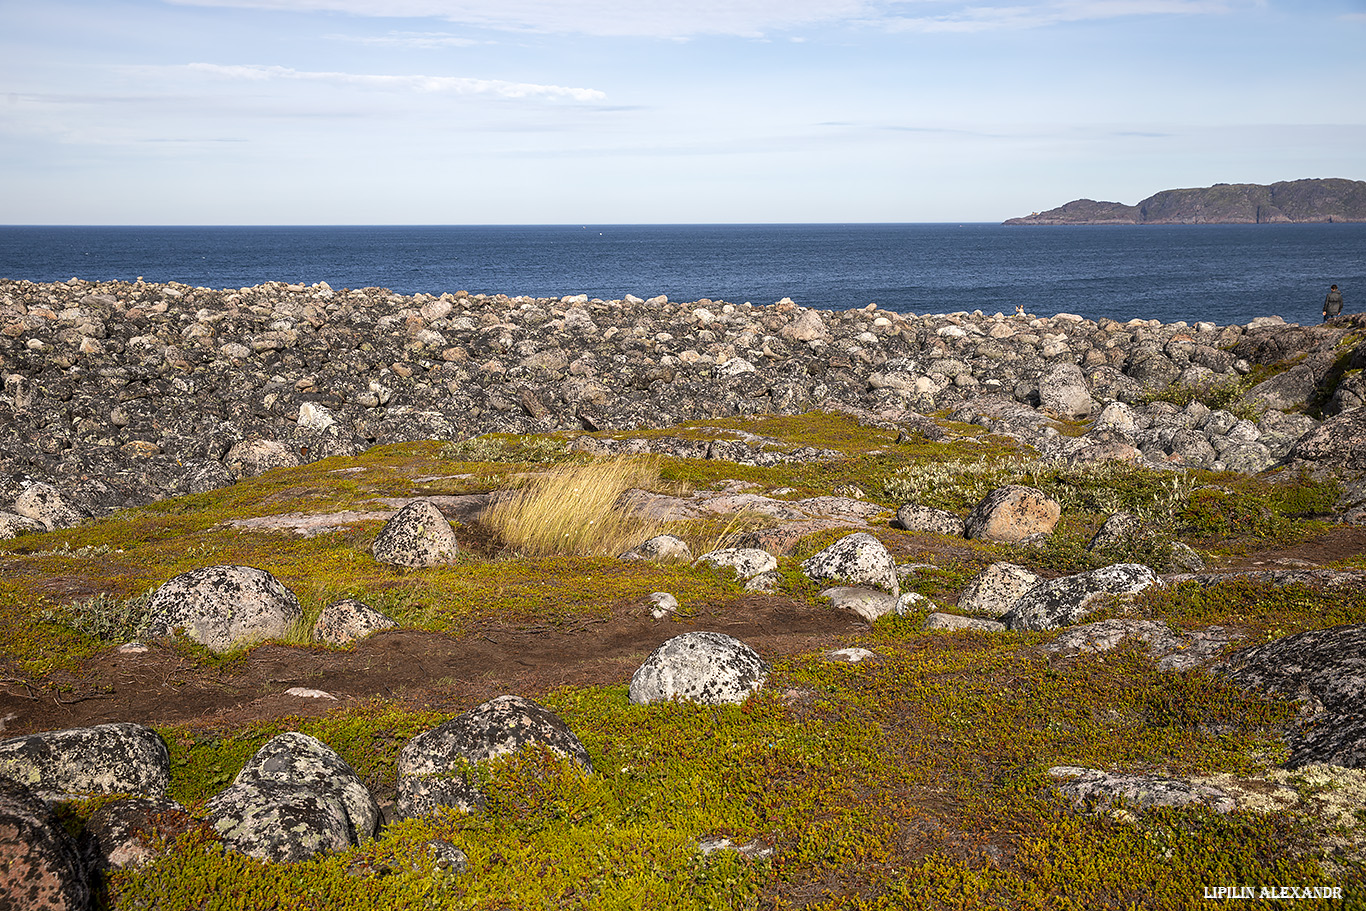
x: 913, y: 779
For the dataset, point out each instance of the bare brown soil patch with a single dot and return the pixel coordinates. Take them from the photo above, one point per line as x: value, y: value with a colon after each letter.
x: 420, y: 669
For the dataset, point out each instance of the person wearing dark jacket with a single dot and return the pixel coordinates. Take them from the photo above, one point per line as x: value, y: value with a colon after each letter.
x: 1332, y: 304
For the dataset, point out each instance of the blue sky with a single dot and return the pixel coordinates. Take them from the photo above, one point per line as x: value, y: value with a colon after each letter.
x: 631, y: 111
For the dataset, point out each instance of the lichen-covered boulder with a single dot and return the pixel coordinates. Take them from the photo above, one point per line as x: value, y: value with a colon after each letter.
x: 40, y: 867
x: 914, y: 517
x: 658, y: 548
x: 255, y: 456
x: 1325, y: 669
x: 1063, y: 392
x: 293, y: 800
x: 295, y: 758
x: 124, y: 833
x: 868, y: 603
x: 223, y: 607
x: 710, y: 668
x: 1118, y: 530
x: 1064, y: 601
x: 12, y: 525
x: 280, y: 822
x: 348, y: 620
x: 48, y: 506
x: 747, y: 562
x: 995, y: 589
x: 1009, y: 515
x: 1094, y: 786
x: 859, y: 560
x: 418, y: 536
x: 119, y: 758
x: 434, y: 767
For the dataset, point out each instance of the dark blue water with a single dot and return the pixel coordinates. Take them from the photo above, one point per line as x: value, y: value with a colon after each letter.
x: 1223, y: 273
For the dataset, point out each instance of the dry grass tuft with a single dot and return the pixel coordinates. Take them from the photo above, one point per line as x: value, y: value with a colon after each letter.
x: 580, y: 510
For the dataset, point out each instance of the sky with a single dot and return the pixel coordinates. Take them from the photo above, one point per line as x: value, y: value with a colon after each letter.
x: 246, y: 112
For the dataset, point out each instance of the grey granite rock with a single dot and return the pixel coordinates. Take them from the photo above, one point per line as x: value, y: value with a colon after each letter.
x: 705, y: 667
x: 1063, y: 601
x: 436, y: 768
x: 118, y: 758
x: 223, y: 607
x: 860, y: 560
x: 418, y: 536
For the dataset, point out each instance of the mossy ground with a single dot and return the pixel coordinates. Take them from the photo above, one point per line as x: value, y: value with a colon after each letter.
x: 916, y: 779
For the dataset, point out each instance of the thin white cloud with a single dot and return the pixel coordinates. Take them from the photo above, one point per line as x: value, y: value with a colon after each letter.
x: 747, y: 18
x: 454, y: 85
x: 618, y: 18
x: 408, y: 39
x: 1040, y: 15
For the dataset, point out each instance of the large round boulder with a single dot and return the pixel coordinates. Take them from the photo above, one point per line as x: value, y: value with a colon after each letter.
x: 859, y: 560
x: 40, y: 869
x: 280, y: 822
x: 293, y: 800
x: 1009, y: 515
x: 223, y: 607
x: 705, y: 667
x: 418, y: 536
x: 119, y: 758
x: 435, y: 767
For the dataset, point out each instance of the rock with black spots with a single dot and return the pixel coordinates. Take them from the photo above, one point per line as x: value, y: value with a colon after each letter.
x: 293, y: 800
x: 436, y: 768
x: 40, y: 866
x: 118, y: 758
x: 703, y: 667
x: 859, y: 560
x: 348, y: 620
x: 417, y: 536
x: 1064, y: 601
x: 223, y: 607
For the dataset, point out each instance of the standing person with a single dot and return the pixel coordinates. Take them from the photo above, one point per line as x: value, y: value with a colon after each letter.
x: 1332, y: 304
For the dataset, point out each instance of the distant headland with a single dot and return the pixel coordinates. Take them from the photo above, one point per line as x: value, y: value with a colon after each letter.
x: 1313, y: 200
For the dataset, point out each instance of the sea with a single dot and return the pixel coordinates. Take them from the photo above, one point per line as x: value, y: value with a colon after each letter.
x: 1219, y: 273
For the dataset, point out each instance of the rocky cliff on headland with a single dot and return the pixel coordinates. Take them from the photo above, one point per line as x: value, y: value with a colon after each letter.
x: 1326, y: 200
x: 116, y: 394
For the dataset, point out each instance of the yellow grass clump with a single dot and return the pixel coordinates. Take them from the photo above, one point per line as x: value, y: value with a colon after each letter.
x: 582, y: 510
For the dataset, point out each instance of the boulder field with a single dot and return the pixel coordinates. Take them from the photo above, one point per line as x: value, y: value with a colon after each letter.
x: 116, y: 393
